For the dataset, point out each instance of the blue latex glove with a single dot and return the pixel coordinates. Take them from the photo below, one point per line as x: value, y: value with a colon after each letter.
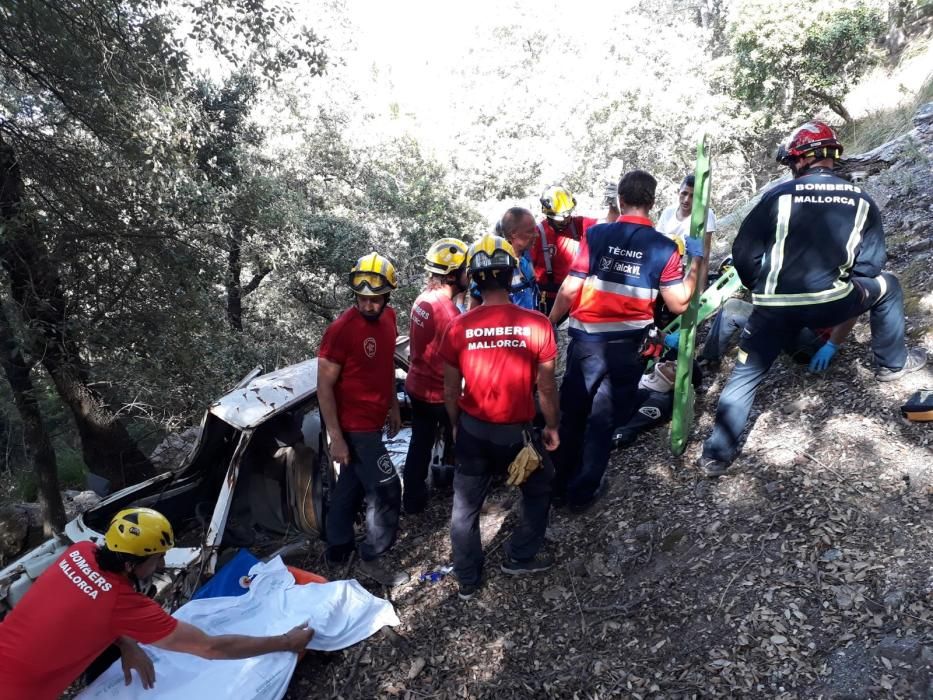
x: 694, y: 247
x: 822, y: 358
x: 672, y: 340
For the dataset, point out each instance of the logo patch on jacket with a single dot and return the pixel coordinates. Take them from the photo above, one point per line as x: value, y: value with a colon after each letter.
x: 369, y: 347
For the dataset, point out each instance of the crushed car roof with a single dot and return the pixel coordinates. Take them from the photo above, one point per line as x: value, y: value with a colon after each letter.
x: 250, y: 405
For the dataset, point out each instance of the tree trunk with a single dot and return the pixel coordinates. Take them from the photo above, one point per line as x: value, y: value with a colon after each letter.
x: 36, y: 288
x: 236, y: 290
x: 234, y: 269
x: 38, y: 445
x: 834, y: 104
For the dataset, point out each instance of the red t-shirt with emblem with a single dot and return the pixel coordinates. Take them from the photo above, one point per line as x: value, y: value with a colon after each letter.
x: 365, y: 351
x: 563, y: 247
x: 498, y: 349
x: 431, y: 314
x: 66, y: 619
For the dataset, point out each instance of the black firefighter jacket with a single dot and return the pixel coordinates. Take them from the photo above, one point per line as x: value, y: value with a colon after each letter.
x: 806, y: 238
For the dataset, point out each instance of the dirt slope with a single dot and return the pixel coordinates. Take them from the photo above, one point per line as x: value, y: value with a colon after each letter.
x: 806, y: 573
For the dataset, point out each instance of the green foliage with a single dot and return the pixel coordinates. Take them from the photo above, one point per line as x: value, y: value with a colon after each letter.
x: 789, y: 59
x: 163, y: 194
x: 72, y: 474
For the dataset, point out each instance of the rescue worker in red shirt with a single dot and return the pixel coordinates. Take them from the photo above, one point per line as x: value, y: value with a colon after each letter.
x: 494, y: 355
x: 559, y: 234
x: 610, y: 292
x: 356, y: 392
x: 88, y: 600
x: 431, y: 314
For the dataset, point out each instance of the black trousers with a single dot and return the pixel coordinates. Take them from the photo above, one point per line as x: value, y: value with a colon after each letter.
x: 428, y: 420
x: 483, y: 450
x: 371, y: 477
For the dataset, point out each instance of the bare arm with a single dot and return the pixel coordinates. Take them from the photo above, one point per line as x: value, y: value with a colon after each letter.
x: 327, y: 375
x: 453, y: 382
x: 133, y: 657
x: 189, y: 639
x: 840, y: 332
x: 677, y: 296
x: 547, y: 398
x: 566, y: 296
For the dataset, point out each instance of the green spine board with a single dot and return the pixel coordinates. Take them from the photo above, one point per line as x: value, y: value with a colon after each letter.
x: 682, y: 420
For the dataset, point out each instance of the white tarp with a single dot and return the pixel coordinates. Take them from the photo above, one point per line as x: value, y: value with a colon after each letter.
x: 342, y: 613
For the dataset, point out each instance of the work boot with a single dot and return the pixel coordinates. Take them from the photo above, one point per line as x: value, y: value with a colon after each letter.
x: 466, y: 591
x: 712, y: 468
x: 916, y: 359
x: 382, y: 575
x: 521, y: 567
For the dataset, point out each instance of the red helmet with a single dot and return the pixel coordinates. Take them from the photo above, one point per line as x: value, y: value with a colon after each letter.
x: 813, y: 138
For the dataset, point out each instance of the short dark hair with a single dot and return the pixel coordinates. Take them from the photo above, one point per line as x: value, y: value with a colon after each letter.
x: 510, y: 220
x: 487, y: 280
x: 637, y: 188
x: 688, y: 181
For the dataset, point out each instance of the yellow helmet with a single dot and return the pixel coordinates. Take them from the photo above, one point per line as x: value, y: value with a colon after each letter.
x: 491, y: 253
x: 141, y: 532
x: 557, y: 202
x: 445, y: 255
x: 373, y: 276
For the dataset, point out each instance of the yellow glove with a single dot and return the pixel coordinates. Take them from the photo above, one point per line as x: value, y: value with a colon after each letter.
x: 525, y: 462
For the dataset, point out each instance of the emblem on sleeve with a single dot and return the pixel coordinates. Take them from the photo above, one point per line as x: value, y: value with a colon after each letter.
x: 385, y: 465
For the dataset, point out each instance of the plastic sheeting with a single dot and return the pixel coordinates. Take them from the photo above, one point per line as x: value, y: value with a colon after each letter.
x: 342, y: 613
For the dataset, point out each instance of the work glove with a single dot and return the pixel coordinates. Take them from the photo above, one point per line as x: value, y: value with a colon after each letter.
x: 820, y: 361
x: 694, y: 247
x: 672, y: 340
x: 525, y: 462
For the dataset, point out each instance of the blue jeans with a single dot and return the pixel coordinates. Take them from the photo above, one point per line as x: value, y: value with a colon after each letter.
x: 730, y: 321
x: 771, y: 329
x: 597, y: 394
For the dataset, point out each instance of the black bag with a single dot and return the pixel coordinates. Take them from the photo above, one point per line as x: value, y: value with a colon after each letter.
x: 919, y: 407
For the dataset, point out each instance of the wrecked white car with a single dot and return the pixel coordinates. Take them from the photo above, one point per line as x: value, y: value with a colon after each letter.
x: 264, y: 436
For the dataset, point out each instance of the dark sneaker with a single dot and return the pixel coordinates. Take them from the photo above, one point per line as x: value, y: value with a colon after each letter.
x: 580, y: 508
x: 467, y: 590
x: 916, y: 359
x: 382, y: 575
x: 712, y: 468
x: 521, y: 567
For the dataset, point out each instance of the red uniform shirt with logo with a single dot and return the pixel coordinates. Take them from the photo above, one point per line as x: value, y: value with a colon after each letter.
x: 67, y: 618
x: 498, y: 349
x: 563, y: 248
x: 364, y: 350
x: 431, y: 314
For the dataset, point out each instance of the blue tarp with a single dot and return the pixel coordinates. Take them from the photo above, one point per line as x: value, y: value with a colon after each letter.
x: 227, y: 581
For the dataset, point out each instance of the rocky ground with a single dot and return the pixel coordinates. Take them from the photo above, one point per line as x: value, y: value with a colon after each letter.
x: 807, y: 572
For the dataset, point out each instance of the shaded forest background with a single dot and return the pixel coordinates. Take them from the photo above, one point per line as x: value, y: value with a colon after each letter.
x: 183, y: 186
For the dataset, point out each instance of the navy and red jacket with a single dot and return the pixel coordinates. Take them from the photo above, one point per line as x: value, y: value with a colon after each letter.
x: 623, y: 264
x: 806, y: 239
